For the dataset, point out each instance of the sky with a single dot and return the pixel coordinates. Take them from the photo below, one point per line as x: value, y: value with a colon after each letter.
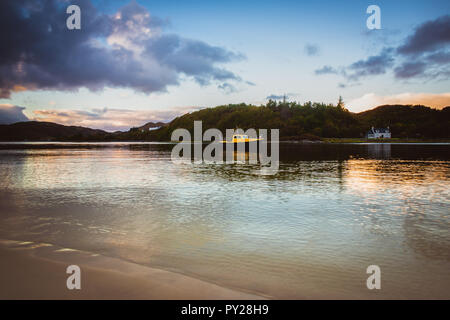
x: 138, y: 61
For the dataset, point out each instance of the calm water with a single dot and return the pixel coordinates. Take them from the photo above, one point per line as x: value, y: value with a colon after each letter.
x: 309, y: 231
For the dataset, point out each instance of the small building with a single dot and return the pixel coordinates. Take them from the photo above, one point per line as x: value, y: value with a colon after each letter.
x: 378, y: 133
x: 150, y: 129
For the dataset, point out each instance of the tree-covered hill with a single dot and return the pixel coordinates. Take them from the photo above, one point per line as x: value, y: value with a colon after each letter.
x: 295, y: 121
x: 407, y: 121
x: 299, y: 121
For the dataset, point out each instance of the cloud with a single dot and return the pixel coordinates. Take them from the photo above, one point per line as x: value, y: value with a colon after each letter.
x: 373, y: 65
x: 425, y: 54
x: 410, y: 69
x: 311, y: 50
x: 11, y: 114
x: 371, y: 100
x: 429, y: 36
x: 383, y: 37
x: 326, y: 70
x: 286, y: 96
x: 109, y: 119
x: 192, y: 57
x: 227, y: 88
x: 342, y: 85
x: 275, y: 97
x: 129, y: 49
x: 439, y: 57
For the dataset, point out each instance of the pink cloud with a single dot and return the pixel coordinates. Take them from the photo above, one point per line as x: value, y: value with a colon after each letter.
x: 109, y: 119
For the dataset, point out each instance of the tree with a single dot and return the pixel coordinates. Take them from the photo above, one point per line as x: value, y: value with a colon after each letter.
x: 340, y: 103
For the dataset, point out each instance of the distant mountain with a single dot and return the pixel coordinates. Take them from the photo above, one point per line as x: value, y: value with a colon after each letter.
x: 137, y: 133
x: 47, y: 131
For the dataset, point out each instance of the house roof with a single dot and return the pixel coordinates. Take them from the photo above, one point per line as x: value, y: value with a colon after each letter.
x: 379, y: 130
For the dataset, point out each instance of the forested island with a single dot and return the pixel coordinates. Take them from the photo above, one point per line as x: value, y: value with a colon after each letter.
x: 308, y: 121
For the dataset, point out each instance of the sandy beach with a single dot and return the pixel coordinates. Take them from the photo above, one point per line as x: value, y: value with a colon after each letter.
x: 38, y: 271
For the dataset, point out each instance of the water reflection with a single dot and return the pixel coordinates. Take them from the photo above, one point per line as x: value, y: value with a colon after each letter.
x: 329, y: 212
x: 428, y: 235
x: 379, y: 151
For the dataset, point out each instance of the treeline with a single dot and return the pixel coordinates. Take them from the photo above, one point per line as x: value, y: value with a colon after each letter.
x: 296, y: 122
x: 315, y: 120
x: 409, y: 121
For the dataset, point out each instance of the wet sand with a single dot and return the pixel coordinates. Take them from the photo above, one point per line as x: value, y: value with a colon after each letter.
x: 38, y: 271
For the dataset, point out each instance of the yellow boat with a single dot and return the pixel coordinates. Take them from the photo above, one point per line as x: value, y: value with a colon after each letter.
x: 241, y: 138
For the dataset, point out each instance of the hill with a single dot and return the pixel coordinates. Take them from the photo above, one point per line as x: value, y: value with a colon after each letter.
x: 137, y: 133
x: 295, y: 121
x: 47, y: 131
x: 309, y: 120
x: 149, y: 125
x: 406, y: 121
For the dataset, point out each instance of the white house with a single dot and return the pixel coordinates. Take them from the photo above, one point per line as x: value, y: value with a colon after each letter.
x: 376, y: 133
x: 149, y: 129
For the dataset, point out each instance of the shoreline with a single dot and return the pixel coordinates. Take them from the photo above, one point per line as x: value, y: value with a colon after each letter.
x: 37, y: 271
x: 51, y: 143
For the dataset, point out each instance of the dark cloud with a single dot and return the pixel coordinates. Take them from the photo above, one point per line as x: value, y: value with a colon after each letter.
x: 431, y: 66
x: 311, y: 50
x: 373, y: 65
x: 11, y: 114
x: 192, y: 57
x: 425, y: 54
x: 428, y: 36
x: 275, y: 97
x: 227, y: 88
x: 129, y: 49
x: 410, y: 69
x: 439, y: 57
x: 343, y: 85
x: 286, y: 96
x: 326, y: 70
